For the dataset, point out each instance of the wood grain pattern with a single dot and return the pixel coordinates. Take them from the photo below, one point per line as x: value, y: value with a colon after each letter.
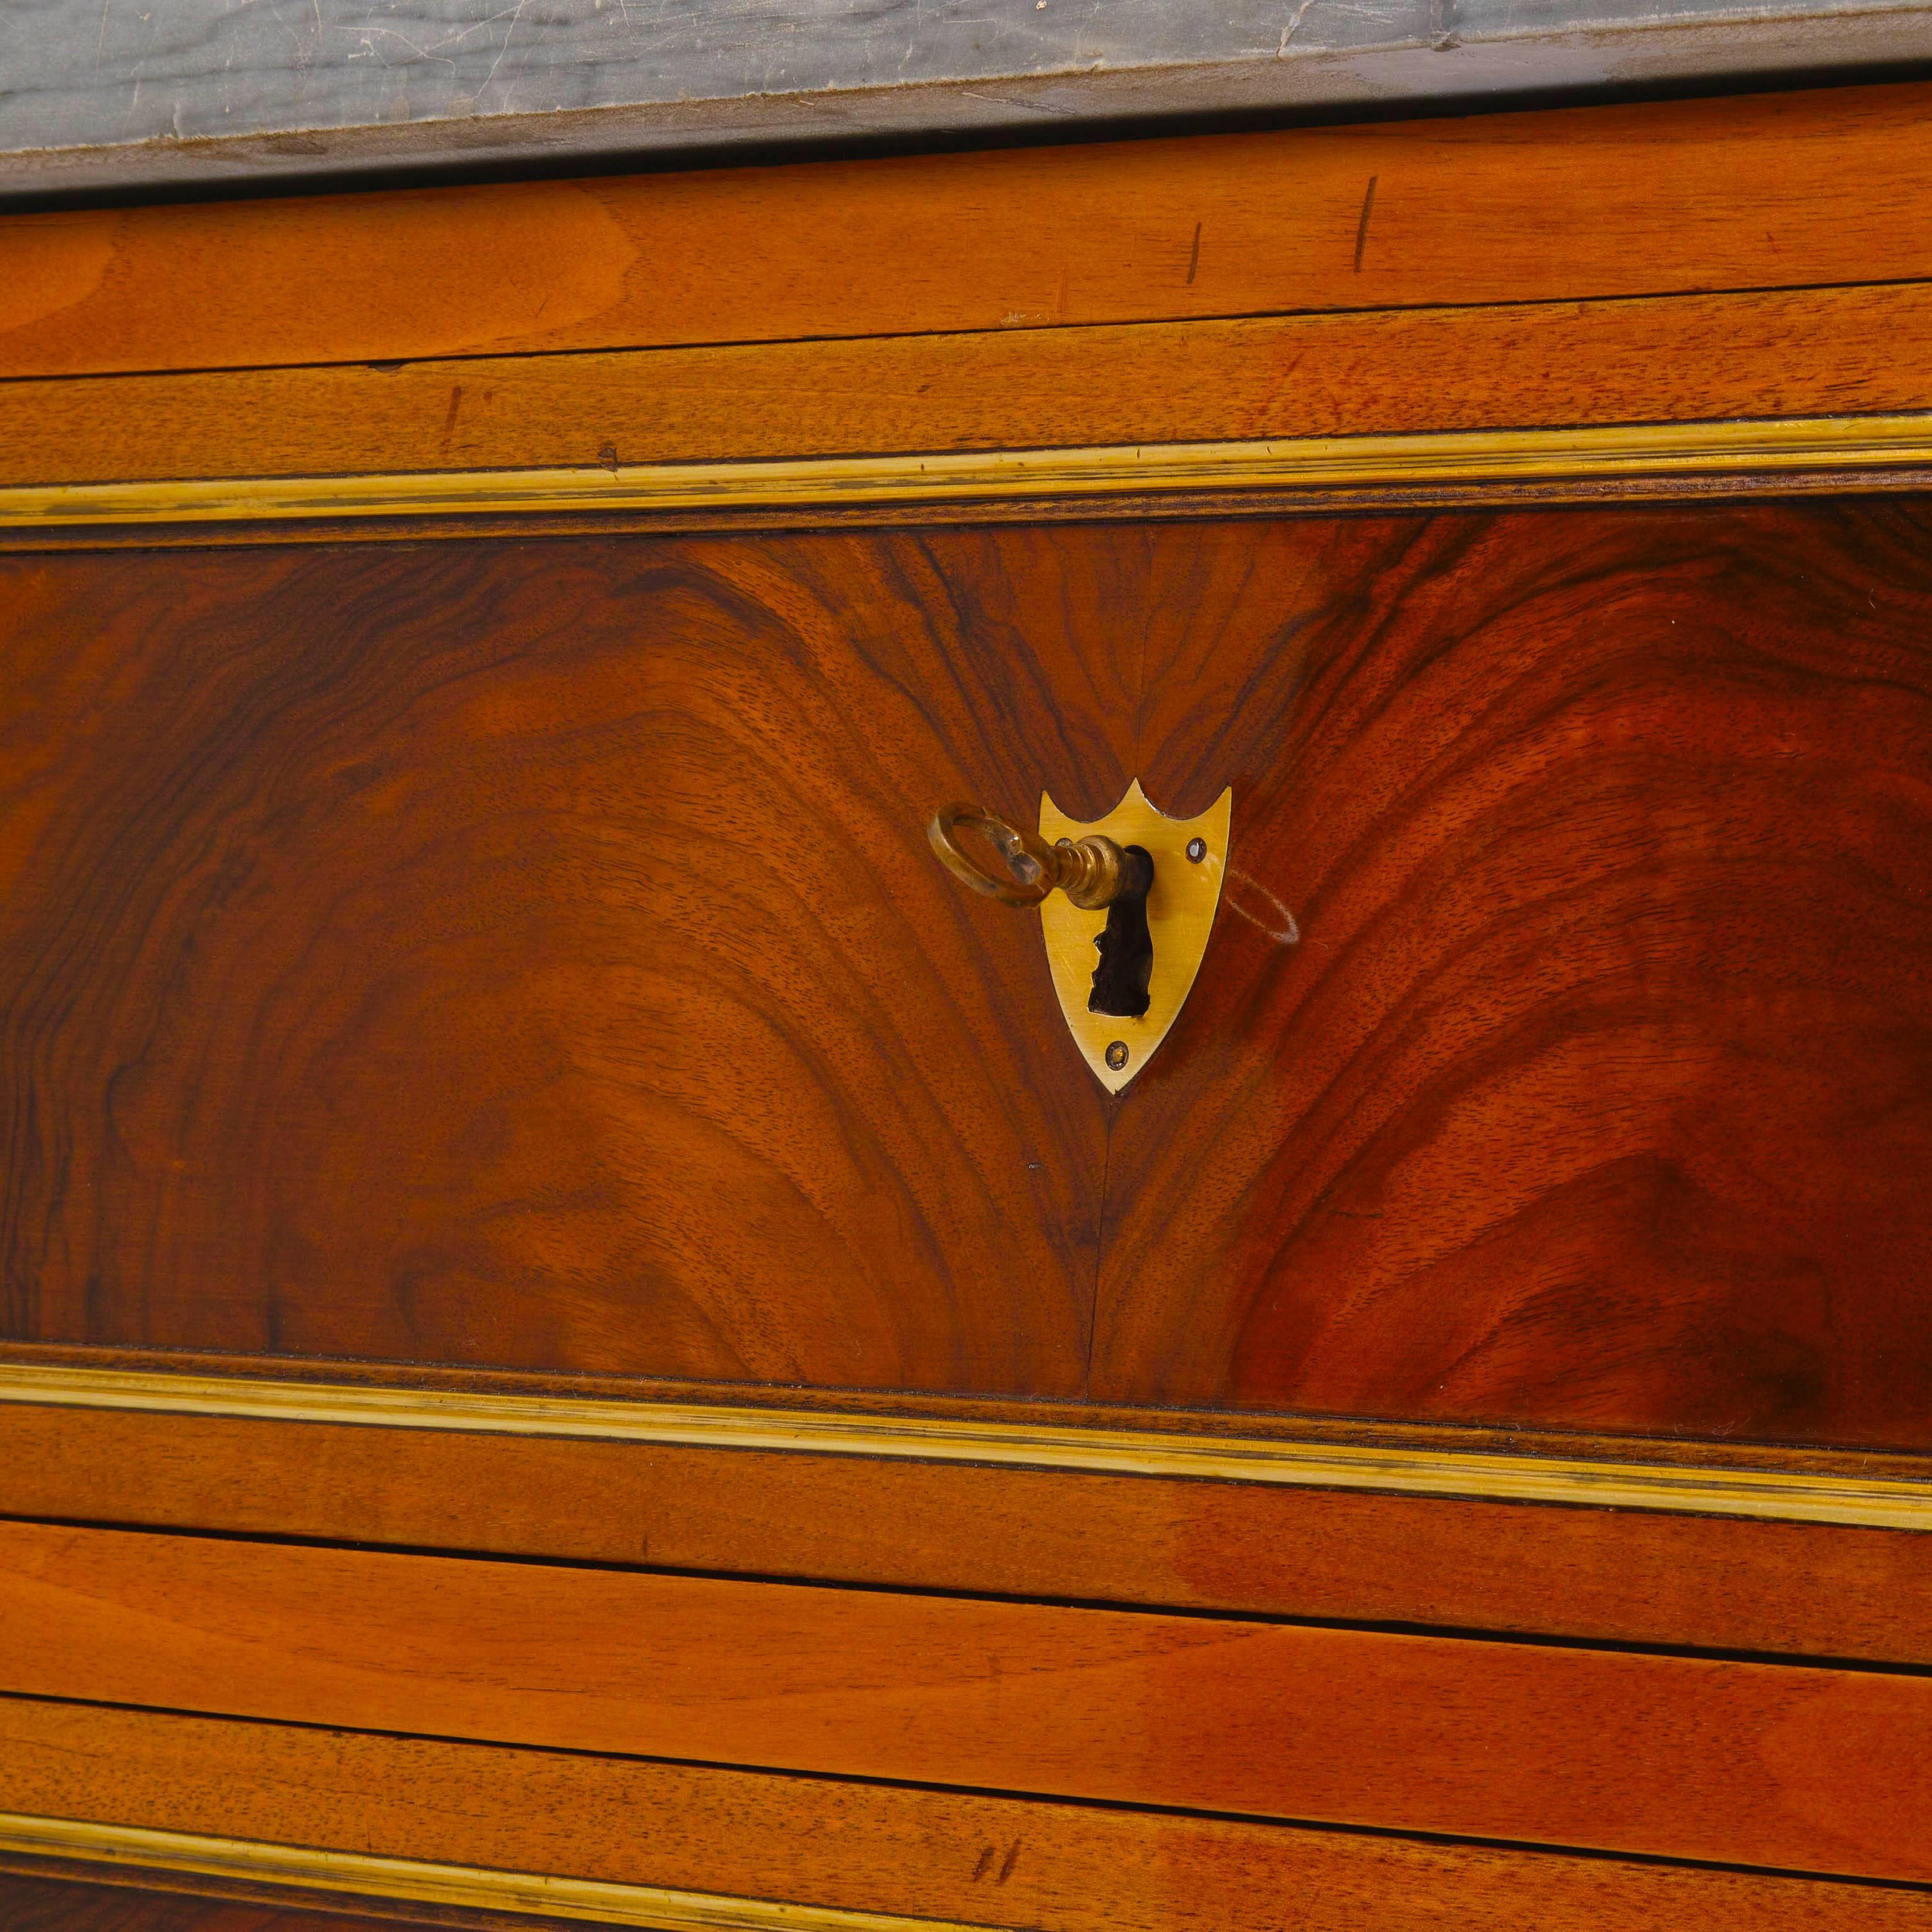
x: 1594, y: 1095
x: 456, y: 954
x: 1630, y: 1577
x: 1598, y: 1088
x: 1791, y: 1768
x: 64, y: 1905
x: 1686, y: 358
x: 941, y: 1855
x: 1777, y: 190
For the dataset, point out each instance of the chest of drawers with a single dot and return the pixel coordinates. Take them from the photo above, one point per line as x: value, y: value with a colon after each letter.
x: 582, y: 1344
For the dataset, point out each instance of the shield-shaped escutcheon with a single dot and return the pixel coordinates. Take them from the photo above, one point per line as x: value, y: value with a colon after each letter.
x: 1190, y: 857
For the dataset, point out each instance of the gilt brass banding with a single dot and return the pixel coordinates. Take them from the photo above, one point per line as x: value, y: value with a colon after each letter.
x: 1789, y: 446
x: 470, y: 1888
x: 1873, y: 1502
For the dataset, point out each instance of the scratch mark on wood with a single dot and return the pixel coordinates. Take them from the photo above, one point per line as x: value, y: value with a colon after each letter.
x: 1012, y: 1859
x: 449, y: 420
x: 1273, y: 918
x: 1362, y: 226
x: 1194, y: 258
x: 985, y: 1860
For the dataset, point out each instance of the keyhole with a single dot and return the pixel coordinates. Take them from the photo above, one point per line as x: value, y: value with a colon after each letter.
x: 1125, y: 946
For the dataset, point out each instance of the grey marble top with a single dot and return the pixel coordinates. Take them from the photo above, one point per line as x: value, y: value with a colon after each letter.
x: 106, y: 93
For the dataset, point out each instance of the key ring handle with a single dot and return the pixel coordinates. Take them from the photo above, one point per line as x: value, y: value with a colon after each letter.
x: 1093, y: 871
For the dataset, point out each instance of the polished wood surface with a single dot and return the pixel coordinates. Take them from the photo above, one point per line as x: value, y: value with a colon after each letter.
x: 1777, y: 191
x: 1799, y: 353
x: 1628, y: 1577
x: 1567, y: 1057
x: 948, y: 1856
x: 460, y: 954
x: 1783, y: 1766
x: 1557, y: 1059
x: 517, y: 961
x: 29, y: 1904
x: 787, y: 1417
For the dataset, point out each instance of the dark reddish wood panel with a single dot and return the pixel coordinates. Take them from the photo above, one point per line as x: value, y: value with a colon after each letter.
x: 1626, y: 1576
x: 67, y: 1905
x: 528, y: 954
x: 1778, y: 1766
x: 952, y: 1857
x: 1563, y: 1051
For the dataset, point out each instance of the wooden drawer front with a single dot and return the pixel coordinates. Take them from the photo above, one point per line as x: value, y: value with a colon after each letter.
x: 1787, y: 190
x: 525, y: 954
x: 1624, y: 1575
x: 1790, y: 1767
x: 698, y: 1846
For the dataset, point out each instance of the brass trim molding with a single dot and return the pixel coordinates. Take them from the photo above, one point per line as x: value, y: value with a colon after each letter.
x: 1889, y: 1502
x: 1794, y: 446
x: 601, y: 1902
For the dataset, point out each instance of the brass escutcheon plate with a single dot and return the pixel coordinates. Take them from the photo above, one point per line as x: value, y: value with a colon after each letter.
x: 1180, y: 914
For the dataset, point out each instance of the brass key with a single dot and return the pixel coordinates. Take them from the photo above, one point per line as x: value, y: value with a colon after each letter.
x: 1093, y: 871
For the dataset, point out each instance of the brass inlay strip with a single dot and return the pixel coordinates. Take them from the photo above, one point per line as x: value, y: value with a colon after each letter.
x: 1878, y: 1502
x: 1795, y: 445
x: 602, y: 1902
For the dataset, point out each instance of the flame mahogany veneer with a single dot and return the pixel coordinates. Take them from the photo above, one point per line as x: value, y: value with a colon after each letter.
x: 525, y: 955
